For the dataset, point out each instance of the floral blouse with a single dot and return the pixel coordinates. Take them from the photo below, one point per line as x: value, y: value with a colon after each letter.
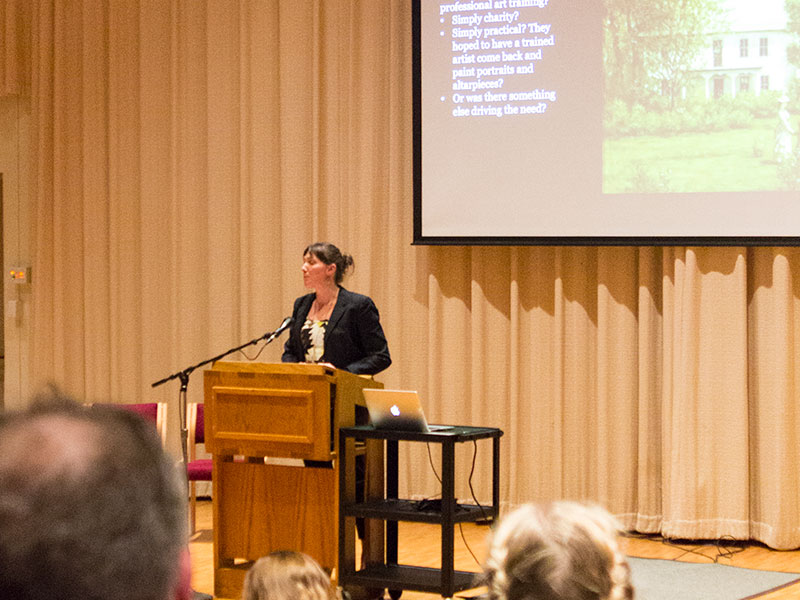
x: 312, y: 336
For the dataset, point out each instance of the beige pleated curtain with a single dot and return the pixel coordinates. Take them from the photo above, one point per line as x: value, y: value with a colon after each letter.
x: 183, y: 155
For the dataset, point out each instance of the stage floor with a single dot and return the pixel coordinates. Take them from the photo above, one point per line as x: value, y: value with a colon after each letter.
x: 419, y: 544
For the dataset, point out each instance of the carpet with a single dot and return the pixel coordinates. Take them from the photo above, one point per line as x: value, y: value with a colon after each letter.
x: 656, y: 579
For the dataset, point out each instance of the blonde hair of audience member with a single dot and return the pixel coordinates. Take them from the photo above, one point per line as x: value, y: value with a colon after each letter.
x: 559, y: 551
x: 287, y: 575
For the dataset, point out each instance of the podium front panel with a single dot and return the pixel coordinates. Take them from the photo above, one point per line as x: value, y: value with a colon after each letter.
x: 269, y: 507
x: 264, y: 414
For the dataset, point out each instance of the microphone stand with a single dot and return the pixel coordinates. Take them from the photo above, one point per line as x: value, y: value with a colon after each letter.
x: 183, y: 376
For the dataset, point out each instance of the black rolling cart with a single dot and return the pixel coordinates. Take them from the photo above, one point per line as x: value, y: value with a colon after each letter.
x: 391, y: 509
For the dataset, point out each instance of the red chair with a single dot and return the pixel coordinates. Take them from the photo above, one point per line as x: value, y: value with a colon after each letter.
x: 198, y: 469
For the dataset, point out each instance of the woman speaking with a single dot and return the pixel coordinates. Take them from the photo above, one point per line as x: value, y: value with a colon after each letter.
x: 332, y: 325
x: 338, y: 328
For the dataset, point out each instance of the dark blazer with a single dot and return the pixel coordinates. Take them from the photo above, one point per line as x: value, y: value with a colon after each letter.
x: 354, y: 339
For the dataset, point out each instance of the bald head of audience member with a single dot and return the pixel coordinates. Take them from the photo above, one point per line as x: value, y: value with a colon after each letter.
x: 558, y: 551
x: 91, y: 508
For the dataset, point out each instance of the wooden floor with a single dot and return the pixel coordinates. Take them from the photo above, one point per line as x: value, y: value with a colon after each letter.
x: 419, y: 544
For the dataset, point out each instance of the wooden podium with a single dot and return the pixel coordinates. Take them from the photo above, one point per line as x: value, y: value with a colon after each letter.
x: 257, y: 416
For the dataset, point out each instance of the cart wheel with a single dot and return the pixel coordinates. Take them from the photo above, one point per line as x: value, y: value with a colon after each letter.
x: 395, y: 594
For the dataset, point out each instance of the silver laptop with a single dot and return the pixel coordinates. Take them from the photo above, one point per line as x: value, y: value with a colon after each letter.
x: 398, y: 410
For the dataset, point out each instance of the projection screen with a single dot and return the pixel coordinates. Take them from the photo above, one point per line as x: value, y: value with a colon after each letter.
x: 616, y: 122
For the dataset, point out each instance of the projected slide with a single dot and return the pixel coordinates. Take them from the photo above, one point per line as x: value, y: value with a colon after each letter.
x: 626, y: 118
x: 697, y: 97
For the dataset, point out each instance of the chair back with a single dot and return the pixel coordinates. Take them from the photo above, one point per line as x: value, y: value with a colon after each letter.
x: 148, y: 411
x: 196, y: 425
x: 200, y: 425
x: 197, y: 469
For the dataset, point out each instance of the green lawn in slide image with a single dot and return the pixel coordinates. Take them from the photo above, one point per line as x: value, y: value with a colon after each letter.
x: 724, y: 161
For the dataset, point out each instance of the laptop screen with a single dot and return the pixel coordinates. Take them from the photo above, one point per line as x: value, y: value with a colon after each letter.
x: 398, y: 410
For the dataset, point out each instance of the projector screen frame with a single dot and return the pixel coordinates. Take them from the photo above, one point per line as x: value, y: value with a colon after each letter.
x: 420, y: 238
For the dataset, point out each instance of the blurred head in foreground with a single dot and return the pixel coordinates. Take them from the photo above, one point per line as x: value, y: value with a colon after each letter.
x: 287, y: 575
x: 558, y: 551
x: 91, y: 507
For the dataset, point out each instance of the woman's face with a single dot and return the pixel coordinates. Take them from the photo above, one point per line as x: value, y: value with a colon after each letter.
x: 316, y: 273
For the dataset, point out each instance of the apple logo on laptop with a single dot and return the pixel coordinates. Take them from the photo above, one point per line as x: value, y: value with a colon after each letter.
x: 395, y: 410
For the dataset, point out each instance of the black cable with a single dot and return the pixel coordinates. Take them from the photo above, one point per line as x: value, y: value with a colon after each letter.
x: 471, y: 489
x: 430, y: 460
x: 478, y: 504
x: 424, y: 504
x: 723, y: 550
x: 242, y: 352
x: 471, y: 471
x: 671, y: 544
x: 728, y: 551
x: 463, y: 537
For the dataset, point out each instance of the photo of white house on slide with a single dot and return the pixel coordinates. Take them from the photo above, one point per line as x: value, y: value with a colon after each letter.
x: 701, y: 96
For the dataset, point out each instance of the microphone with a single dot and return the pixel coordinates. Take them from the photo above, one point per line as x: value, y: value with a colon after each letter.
x: 283, y: 327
